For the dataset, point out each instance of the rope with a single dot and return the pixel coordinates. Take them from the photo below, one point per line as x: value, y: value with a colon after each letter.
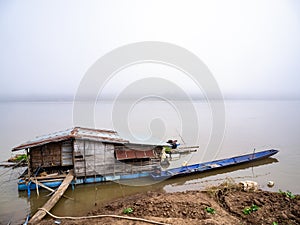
x: 9, y: 170
x: 100, y: 216
x: 12, y: 167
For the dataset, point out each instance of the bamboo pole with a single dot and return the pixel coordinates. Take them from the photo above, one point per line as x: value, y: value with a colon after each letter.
x: 39, y: 215
x: 37, y: 188
x: 47, y: 188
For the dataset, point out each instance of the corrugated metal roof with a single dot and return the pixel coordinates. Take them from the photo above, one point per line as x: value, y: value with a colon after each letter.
x: 76, y: 132
x: 132, y: 154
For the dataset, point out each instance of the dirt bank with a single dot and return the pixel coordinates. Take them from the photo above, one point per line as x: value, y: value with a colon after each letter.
x: 225, y: 204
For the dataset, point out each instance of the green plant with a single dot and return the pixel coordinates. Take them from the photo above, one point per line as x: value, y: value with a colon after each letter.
x: 251, y: 209
x: 167, y: 149
x: 128, y: 210
x: 275, y: 223
x: 210, y: 210
x: 21, y: 157
x: 287, y: 194
x: 254, y: 208
x: 247, y: 210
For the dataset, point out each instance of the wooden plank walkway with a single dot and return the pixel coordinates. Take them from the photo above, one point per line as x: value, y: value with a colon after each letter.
x: 39, y: 215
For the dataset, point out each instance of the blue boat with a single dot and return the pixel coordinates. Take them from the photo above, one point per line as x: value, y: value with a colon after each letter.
x: 211, y: 165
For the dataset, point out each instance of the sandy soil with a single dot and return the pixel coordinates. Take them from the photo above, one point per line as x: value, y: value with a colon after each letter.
x: 227, y: 201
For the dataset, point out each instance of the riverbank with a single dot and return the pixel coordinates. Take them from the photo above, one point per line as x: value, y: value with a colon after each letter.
x: 223, y: 204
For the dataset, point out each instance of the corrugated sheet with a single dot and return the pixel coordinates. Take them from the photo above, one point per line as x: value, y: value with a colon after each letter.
x: 108, y: 136
x: 131, y: 154
x: 140, y: 146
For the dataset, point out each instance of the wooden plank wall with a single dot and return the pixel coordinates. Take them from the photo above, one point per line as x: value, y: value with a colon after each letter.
x: 91, y: 157
x: 67, y: 153
x: 96, y: 158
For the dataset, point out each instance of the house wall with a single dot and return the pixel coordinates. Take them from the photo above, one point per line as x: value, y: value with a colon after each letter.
x: 92, y: 157
x: 52, y: 155
x: 67, y: 153
x: 96, y: 158
x: 45, y: 156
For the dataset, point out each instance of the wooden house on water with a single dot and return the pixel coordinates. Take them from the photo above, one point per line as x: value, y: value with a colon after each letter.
x: 94, y: 155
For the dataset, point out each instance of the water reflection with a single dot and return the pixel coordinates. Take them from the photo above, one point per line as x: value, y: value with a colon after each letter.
x: 218, y: 172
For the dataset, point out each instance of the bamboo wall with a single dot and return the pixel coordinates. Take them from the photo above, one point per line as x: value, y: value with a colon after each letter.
x: 45, y: 156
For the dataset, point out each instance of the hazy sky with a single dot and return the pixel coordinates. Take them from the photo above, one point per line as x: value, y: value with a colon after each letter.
x: 251, y: 47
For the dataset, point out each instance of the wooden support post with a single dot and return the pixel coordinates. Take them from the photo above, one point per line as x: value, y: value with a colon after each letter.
x: 42, y: 185
x: 28, y: 161
x: 37, y: 188
x: 47, y: 188
x: 39, y: 215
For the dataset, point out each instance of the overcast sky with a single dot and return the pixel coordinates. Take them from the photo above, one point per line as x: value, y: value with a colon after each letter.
x: 251, y: 47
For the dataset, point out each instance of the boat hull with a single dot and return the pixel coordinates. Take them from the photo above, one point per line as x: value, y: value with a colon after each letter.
x: 212, y: 165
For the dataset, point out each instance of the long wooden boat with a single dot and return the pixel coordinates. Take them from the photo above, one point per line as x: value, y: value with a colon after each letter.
x: 211, y: 165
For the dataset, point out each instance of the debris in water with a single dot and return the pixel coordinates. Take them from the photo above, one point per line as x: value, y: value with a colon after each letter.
x: 270, y: 183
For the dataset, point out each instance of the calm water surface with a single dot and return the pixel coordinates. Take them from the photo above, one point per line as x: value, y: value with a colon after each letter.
x: 249, y: 124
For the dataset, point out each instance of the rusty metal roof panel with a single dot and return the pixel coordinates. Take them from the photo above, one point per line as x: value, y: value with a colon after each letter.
x: 143, y: 146
x: 76, y: 133
x: 134, y: 154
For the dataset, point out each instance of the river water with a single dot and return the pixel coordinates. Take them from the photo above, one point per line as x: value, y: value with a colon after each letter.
x: 249, y: 125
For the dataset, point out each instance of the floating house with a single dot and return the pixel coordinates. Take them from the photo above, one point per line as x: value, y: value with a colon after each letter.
x: 94, y: 155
